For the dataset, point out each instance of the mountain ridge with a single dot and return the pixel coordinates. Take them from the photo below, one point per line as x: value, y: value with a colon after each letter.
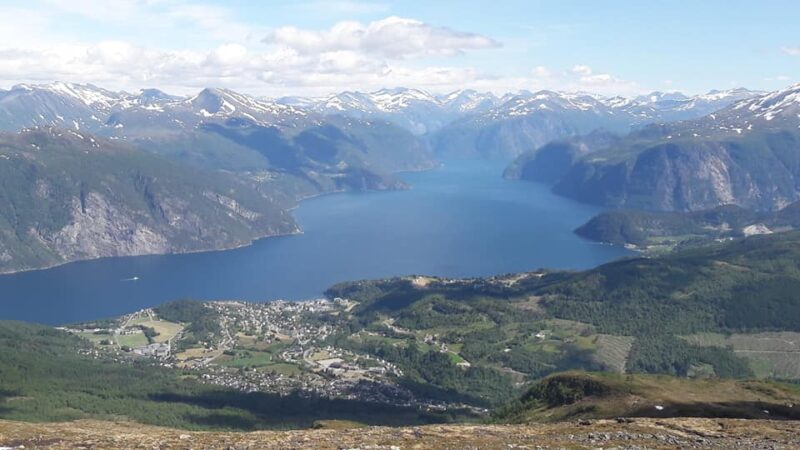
x: 743, y: 154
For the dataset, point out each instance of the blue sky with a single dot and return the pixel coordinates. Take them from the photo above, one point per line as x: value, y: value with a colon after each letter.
x: 314, y: 47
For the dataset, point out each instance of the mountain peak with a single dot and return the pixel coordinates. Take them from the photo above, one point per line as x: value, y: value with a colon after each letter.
x: 88, y: 94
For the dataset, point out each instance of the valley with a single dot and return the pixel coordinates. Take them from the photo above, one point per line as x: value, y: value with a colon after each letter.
x: 429, y: 229
x: 385, y: 225
x: 274, y: 152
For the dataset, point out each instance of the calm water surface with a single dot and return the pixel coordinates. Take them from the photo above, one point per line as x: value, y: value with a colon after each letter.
x: 460, y: 220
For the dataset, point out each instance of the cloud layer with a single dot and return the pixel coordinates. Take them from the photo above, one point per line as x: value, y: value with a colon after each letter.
x: 217, y: 49
x: 392, y: 37
x: 791, y: 51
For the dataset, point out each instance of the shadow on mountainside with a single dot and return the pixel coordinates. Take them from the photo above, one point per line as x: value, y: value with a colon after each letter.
x: 250, y: 411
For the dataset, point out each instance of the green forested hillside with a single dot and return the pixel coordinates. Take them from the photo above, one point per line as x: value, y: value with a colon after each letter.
x: 573, y: 395
x: 745, y: 285
x: 653, y: 230
x: 636, y: 315
x: 66, y: 195
x: 710, y: 313
x: 49, y: 375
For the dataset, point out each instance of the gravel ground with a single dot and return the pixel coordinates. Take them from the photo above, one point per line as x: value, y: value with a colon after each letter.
x: 606, y: 434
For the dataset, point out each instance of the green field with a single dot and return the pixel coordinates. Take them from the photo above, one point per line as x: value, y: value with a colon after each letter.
x: 612, y: 351
x: 245, y: 358
x: 770, y: 355
x: 131, y: 340
x: 283, y: 368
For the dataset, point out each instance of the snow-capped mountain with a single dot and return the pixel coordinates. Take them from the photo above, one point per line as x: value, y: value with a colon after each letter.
x: 414, y: 109
x: 779, y: 105
x: 153, y: 111
x: 56, y: 104
x: 547, y: 101
x: 461, y: 121
x: 425, y: 113
x: 219, y: 129
x: 779, y: 110
x: 674, y: 106
x: 227, y: 103
x: 530, y: 119
x: 744, y: 154
x: 468, y: 101
x: 146, y: 97
x: 88, y: 107
x: 84, y: 106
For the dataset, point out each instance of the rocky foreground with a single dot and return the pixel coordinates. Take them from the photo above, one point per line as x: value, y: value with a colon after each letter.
x: 620, y: 433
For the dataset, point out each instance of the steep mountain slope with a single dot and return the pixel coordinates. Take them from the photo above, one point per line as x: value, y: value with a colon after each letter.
x: 745, y: 154
x: 66, y: 195
x: 277, y: 153
x: 551, y: 161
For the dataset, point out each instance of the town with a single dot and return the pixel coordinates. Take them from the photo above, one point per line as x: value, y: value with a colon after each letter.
x: 275, y: 347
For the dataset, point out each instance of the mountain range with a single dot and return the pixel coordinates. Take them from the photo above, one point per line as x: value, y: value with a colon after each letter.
x: 469, y: 123
x: 277, y: 152
x: 527, y: 120
x: 504, y: 125
x: 210, y: 171
x: 744, y: 154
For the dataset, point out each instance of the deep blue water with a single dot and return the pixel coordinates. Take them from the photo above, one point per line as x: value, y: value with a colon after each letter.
x: 460, y: 220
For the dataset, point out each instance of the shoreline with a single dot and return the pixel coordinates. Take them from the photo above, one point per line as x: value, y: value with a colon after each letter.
x: 290, y: 209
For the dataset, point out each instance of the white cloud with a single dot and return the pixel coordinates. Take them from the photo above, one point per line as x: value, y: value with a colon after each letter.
x: 228, y: 55
x: 541, y: 72
x: 392, y: 37
x: 583, y: 78
x: 792, y: 51
x: 278, y: 71
x: 213, y: 48
x: 581, y: 69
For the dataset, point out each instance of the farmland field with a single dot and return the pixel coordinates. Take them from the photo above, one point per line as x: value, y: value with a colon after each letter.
x: 773, y: 355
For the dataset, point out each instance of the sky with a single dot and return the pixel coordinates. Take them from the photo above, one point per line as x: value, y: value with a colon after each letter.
x: 316, y: 47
